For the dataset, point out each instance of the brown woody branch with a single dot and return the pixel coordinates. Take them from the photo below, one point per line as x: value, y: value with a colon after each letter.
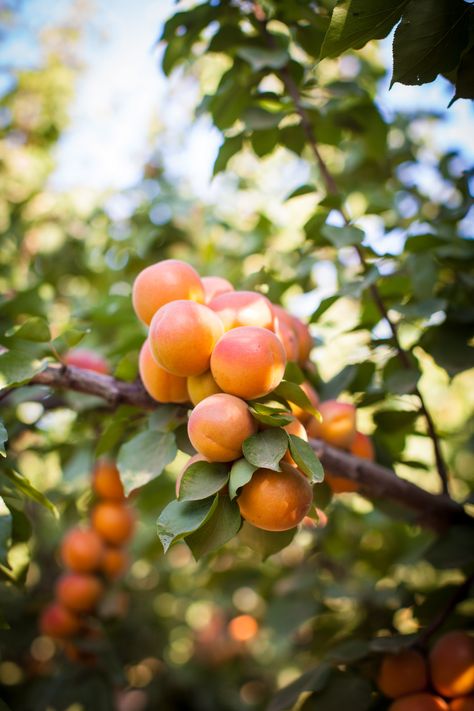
x: 375, y: 481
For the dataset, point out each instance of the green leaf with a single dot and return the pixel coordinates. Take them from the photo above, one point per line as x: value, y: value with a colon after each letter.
x: 302, y: 190
x: 33, y: 329
x: 392, y: 645
x: 293, y: 393
x: 394, y: 420
x: 324, y: 305
x: 220, y: 527
x: 202, y: 479
x: 349, y: 651
x: 115, y: 426
x: 450, y: 347
x: 293, y: 373
x: 453, y: 549
x: 260, y: 57
x: 342, y: 236
x: 465, y: 77
x: 240, y: 474
x: 343, y: 691
x: 3, y: 439
x: 313, y: 680
x: 341, y: 381
x: 273, y: 416
x: 265, y: 449
x: 166, y: 418
x: 258, y: 119
x: 21, y: 483
x: 5, y: 532
x: 306, y: 459
x: 263, y: 142
x: 180, y: 518
x: 144, y: 457
x: 265, y: 543
x: 229, y: 148
x: 17, y: 368
x: 356, y: 22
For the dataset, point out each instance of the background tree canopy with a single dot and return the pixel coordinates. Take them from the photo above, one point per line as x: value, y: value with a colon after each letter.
x: 344, y: 212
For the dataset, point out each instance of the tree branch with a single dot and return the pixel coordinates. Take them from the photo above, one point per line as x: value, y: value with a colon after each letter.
x: 436, y: 511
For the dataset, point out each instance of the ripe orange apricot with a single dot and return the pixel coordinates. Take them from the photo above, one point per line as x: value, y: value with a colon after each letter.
x: 362, y: 447
x: 163, y: 282
x: 106, y: 481
x: 87, y: 359
x: 243, y: 628
x: 463, y: 703
x: 288, y: 339
x: 158, y: 382
x: 192, y: 460
x: 452, y: 664
x: 338, y: 426
x: 182, y: 337
x: 297, y: 429
x: 248, y: 362
x: 419, y: 702
x: 115, y: 562
x: 79, y: 592
x: 402, y: 673
x: 276, y: 501
x: 201, y: 386
x: 243, y: 308
x: 218, y: 426
x: 82, y: 550
x: 57, y: 621
x: 305, y: 340
x: 302, y: 415
x: 113, y: 521
x: 215, y: 286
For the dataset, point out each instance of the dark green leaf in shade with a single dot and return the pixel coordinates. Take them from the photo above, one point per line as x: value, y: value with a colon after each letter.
x: 265, y: 543
x: 324, y: 305
x: 180, y: 518
x: 261, y: 57
x: 3, y: 439
x: 219, y: 528
x: 5, y: 532
x: 263, y: 142
x: 464, y: 81
x: 344, y: 690
x: 306, y: 459
x: 349, y: 651
x: 266, y: 449
x: 342, y: 236
x: 229, y: 148
x: 240, y: 474
x: 144, y: 457
x: 202, y: 479
x: 182, y: 440
x: 450, y: 347
x: 393, y: 644
x: 313, y: 680
x: 393, y: 420
x: 302, y: 190
x: 454, y: 549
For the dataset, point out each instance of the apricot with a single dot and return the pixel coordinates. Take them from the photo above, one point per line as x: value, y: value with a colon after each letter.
x: 402, y: 673
x: 182, y: 337
x: 304, y: 338
x: 297, y: 429
x: 82, y: 550
x: 302, y: 415
x: 452, y: 664
x: 79, y: 592
x: 320, y: 522
x: 338, y: 426
x: 218, y: 426
x: 192, y: 460
x: 106, y: 481
x: 57, y: 621
x: 158, y: 382
x: 87, y: 360
x: 243, y: 308
x: 288, y: 339
x: 201, y: 386
x: 115, y: 562
x: 362, y: 447
x: 248, y: 362
x: 163, y: 282
x: 276, y: 501
x: 243, y: 628
x: 463, y: 703
x: 419, y: 702
x: 215, y: 286
x: 113, y: 521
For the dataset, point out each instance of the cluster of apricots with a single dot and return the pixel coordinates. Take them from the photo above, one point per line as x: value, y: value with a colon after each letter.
x: 92, y: 557
x: 444, y: 681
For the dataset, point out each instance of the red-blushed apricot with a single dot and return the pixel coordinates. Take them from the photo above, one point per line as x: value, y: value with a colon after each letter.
x: 452, y: 664
x: 320, y: 522
x: 338, y: 426
x: 463, y: 703
x: 79, y: 592
x: 113, y: 521
x: 402, y: 673
x: 288, y: 339
x: 192, y: 460
x: 115, y: 562
x: 87, y: 360
x: 243, y: 308
x: 305, y: 340
x: 106, y: 481
x: 297, y: 429
x: 215, y: 286
x: 243, y: 628
x: 302, y: 415
x: 419, y: 702
x: 163, y: 282
x: 362, y: 447
x: 201, y: 386
x: 82, y: 550
x: 218, y: 426
x: 57, y: 621
x: 158, y: 382
x: 248, y: 362
x: 182, y: 337
x: 276, y: 501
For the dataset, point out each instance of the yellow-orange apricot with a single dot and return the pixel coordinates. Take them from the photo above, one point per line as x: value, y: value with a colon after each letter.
x: 87, y: 360
x: 115, y: 562
x: 338, y: 426
x: 113, y: 521
x: 297, y: 429
x: 362, y: 447
x: 305, y: 340
x: 243, y: 308
x: 57, y: 621
x: 452, y: 664
x: 243, y: 628
x: 248, y: 362
x: 302, y: 415
x: 402, y: 673
x: 288, y: 339
x: 163, y: 282
x: 215, y: 286
x: 192, y: 460
x: 182, y: 337
x: 106, y: 481
x: 79, y: 592
x: 218, y: 426
x: 419, y: 702
x: 158, y: 382
x: 276, y: 501
x: 201, y: 386
x: 463, y: 703
x: 82, y: 550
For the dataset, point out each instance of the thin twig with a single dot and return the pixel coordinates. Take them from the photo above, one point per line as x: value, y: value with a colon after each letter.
x: 458, y: 596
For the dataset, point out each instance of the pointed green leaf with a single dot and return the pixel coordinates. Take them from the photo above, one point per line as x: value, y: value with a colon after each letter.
x: 17, y: 368
x: 180, y: 518
x: 306, y: 459
x: 240, y: 474
x: 229, y: 148
x: 202, y: 479
x: 33, y: 329
x: 21, y: 483
x: 293, y: 393
x: 265, y: 543
x: 265, y: 449
x: 144, y: 457
x: 220, y: 527
x: 342, y: 236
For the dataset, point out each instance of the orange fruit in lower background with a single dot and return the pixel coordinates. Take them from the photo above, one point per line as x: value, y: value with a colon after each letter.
x: 106, y: 481
x: 115, y: 562
x: 452, y: 664
x: 463, y: 703
x: 79, y: 592
x: 403, y: 673
x: 57, y: 621
x: 361, y: 447
x: 113, y: 521
x: 82, y: 550
x: 419, y: 702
